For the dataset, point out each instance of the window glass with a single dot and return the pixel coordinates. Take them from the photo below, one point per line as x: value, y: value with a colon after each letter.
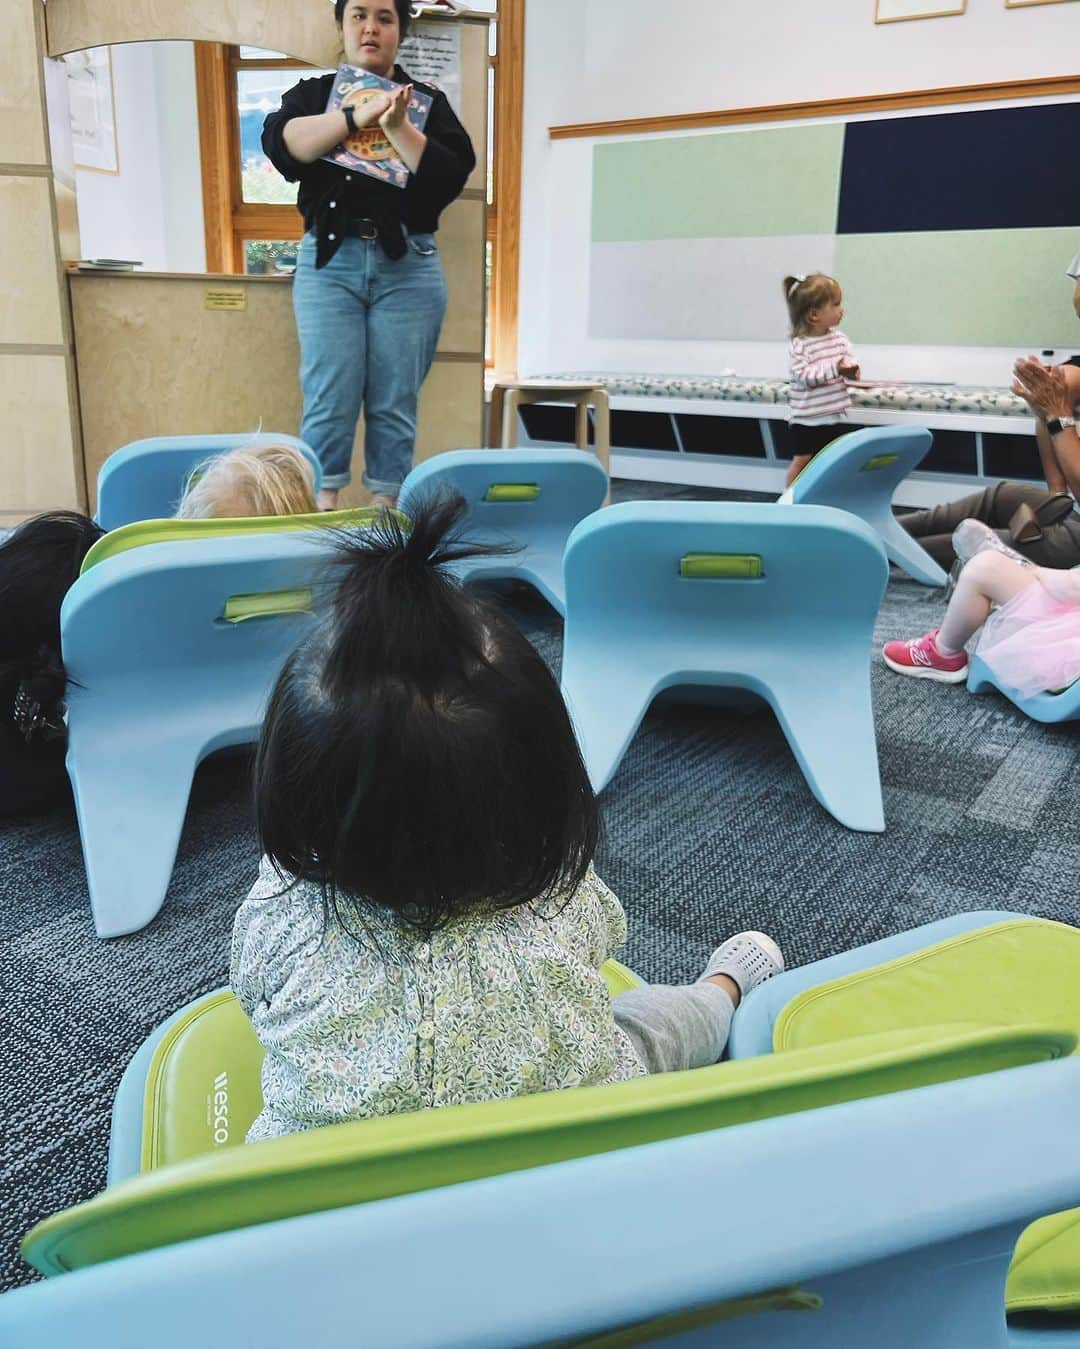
x: 259, y: 92
x: 270, y: 256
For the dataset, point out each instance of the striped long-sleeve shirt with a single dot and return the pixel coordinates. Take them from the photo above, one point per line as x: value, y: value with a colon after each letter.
x: 818, y: 394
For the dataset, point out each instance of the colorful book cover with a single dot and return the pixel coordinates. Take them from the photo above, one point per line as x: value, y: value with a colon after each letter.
x: 369, y: 151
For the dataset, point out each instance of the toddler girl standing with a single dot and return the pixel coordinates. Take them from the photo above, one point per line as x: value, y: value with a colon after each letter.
x: 427, y: 928
x: 821, y: 360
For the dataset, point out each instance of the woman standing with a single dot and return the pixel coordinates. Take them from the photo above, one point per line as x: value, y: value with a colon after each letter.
x: 369, y: 291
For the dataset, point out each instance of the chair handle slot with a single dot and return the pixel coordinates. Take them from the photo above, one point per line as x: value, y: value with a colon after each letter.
x: 269, y: 604
x: 879, y: 461
x: 512, y: 491
x: 721, y: 566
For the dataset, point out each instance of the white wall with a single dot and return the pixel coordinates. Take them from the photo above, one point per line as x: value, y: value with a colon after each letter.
x: 151, y: 211
x: 603, y: 60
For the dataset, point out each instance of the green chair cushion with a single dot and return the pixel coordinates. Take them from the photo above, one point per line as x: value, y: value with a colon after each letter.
x: 1025, y: 969
x: 173, y: 531
x: 1045, y: 1272
x: 361, y: 1161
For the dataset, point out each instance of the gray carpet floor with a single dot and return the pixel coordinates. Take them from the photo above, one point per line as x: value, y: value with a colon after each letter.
x: 710, y: 828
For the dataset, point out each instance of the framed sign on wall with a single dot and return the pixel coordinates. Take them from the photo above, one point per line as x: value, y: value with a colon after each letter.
x: 896, y: 11
x: 93, y: 109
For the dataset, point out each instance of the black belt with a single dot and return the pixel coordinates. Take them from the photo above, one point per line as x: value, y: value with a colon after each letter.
x: 362, y: 228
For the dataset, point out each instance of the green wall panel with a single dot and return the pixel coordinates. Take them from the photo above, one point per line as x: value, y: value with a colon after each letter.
x: 964, y: 288
x: 733, y: 184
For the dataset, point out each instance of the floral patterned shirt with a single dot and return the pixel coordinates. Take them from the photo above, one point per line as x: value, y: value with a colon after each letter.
x: 493, y: 1005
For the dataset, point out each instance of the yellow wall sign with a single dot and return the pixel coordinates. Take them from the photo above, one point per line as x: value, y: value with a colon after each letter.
x: 226, y: 297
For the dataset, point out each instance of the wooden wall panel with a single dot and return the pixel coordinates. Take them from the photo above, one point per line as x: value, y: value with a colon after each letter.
x: 474, y: 62
x: 38, y: 450
x: 461, y: 239
x: 153, y: 360
x: 306, y: 31
x: 29, y: 297
x: 40, y: 455
x: 22, y: 113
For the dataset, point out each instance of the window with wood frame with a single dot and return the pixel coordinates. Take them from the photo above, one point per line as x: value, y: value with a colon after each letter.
x: 251, y: 220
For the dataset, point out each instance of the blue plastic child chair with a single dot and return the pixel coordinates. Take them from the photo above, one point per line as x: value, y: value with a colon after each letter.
x: 531, y: 498
x: 964, y: 968
x: 859, y: 473
x: 1045, y: 706
x: 145, y: 480
x: 729, y: 595
x: 886, y: 1221
x: 171, y: 649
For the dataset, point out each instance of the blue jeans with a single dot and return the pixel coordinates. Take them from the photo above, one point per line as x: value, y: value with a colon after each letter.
x: 368, y: 329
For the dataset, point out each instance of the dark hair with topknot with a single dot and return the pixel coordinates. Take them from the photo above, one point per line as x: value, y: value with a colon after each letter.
x: 416, y: 754
x: 403, y: 7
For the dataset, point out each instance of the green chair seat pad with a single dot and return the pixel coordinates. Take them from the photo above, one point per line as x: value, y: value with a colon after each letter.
x: 1021, y: 970
x: 361, y: 1161
x: 174, y: 531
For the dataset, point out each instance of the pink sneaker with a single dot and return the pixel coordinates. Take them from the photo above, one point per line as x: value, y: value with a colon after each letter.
x: 922, y: 659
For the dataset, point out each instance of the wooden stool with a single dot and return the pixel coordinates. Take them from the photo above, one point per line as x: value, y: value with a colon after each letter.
x: 507, y: 398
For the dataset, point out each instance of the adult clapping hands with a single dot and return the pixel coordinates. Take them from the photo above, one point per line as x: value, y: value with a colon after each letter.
x: 1041, y: 523
x: 1051, y: 391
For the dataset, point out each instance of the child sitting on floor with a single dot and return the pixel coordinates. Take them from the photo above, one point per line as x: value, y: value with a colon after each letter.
x: 427, y: 928
x: 252, y: 480
x: 41, y: 561
x: 1031, y: 640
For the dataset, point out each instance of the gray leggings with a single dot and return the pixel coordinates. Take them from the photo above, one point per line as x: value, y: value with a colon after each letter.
x: 675, y: 1027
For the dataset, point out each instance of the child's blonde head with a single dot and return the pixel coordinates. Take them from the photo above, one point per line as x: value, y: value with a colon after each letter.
x: 805, y: 294
x: 251, y: 480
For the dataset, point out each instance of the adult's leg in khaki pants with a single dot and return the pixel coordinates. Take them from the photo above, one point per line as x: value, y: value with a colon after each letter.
x: 995, y: 506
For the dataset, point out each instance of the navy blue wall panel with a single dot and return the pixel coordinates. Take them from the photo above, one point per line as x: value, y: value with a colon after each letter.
x: 1006, y: 168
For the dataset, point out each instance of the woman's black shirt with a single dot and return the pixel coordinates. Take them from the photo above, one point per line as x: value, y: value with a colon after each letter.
x: 330, y: 195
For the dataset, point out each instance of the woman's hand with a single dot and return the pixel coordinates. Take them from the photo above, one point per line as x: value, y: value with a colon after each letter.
x: 1044, y: 388
x: 397, y: 105
x: 371, y: 110
x: 400, y: 132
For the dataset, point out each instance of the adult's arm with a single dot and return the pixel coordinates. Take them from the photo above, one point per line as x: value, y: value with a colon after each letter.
x: 1055, y: 479
x: 447, y: 157
x: 301, y: 131
x: 1053, y: 391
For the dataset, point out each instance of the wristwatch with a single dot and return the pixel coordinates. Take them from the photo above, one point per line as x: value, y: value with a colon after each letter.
x: 350, y: 118
x: 1056, y: 424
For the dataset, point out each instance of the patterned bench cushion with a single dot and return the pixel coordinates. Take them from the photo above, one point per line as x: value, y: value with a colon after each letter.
x: 737, y: 389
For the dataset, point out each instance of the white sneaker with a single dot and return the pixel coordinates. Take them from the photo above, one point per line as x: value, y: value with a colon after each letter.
x: 749, y: 958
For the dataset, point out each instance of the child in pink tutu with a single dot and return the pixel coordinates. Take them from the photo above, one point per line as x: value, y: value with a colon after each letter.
x: 1031, y: 640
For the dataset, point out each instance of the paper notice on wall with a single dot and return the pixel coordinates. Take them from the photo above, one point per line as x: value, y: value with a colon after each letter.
x: 432, y: 53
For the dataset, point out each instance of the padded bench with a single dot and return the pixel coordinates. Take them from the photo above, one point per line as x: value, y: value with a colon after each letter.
x: 730, y: 431
x: 948, y: 398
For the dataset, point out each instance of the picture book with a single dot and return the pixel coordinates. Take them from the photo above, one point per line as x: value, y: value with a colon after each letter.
x: 369, y: 151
